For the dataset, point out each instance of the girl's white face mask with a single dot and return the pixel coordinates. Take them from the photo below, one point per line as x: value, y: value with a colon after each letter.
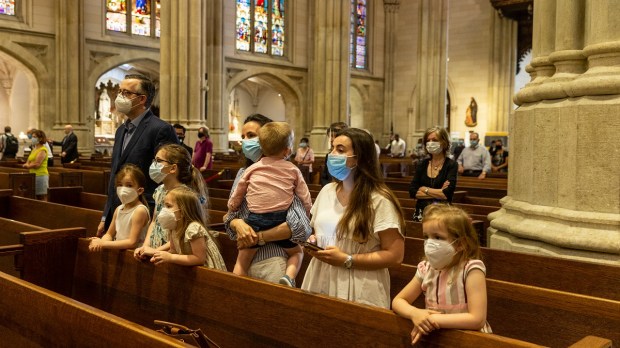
x: 126, y: 194
x: 166, y: 219
x: 439, y: 253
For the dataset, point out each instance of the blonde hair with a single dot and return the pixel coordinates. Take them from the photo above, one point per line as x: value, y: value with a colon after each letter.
x: 458, y: 225
x: 135, y: 173
x: 275, y: 137
x: 186, y: 173
x: 189, y: 208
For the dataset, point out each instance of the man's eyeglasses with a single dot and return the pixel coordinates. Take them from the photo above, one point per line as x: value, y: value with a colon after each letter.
x: 125, y: 93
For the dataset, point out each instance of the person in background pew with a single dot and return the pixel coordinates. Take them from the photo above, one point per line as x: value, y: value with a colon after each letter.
x: 203, y: 154
x: 452, y: 277
x: 269, y: 263
x: 37, y: 163
x: 359, y: 223
x: 69, y: 146
x: 268, y: 187
x: 474, y: 160
x: 180, y: 130
x: 131, y: 218
x: 305, y: 159
x: 435, y: 177
x: 172, y: 167
x: 190, y: 243
x: 332, y: 132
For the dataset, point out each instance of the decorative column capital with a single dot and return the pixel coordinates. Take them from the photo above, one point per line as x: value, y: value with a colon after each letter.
x: 391, y: 5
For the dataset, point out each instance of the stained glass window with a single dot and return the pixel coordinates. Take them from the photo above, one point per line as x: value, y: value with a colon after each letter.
x: 260, y: 26
x: 7, y: 7
x: 358, y: 35
x: 136, y: 13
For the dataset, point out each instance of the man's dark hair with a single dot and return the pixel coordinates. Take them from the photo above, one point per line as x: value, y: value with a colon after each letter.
x: 178, y: 126
x: 147, y: 87
x: 7, y: 129
x: 337, y: 127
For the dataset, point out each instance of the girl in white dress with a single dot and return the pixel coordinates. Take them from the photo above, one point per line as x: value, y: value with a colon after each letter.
x: 358, y: 221
x: 190, y: 244
x: 131, y: 218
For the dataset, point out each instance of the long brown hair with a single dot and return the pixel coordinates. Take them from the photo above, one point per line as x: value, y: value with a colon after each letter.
x: 368, y: 180
x: 458, y: 225
x: 187, y: 174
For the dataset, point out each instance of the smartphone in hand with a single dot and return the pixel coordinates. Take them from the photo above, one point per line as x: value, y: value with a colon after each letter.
x: 311, y: 246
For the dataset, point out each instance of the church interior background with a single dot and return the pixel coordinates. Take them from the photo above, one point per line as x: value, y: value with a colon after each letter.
x: 382, y: 65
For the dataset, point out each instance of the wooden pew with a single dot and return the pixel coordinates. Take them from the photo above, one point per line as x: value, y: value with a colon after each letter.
x: 56, y: 178
x: 75, y: 196
x: 33, y: 316
x: 21, y: 184
x: 49, y: 215
x: 548, y: 317
x: 239, y: 311
x: 9, y: 238
x: 580, y: 277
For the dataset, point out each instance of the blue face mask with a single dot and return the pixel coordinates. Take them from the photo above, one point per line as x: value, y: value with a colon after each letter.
x: 251, y: 149
x: 337, y: 166
x: 473, y: 143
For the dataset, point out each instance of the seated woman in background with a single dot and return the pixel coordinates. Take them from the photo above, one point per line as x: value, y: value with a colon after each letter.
x: 499, y: 158
x: 435, y: 177
x: 358, y: 221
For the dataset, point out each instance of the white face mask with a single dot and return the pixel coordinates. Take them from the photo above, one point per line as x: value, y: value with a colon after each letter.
x: 433, y: 147
x: 123, y: 104
x: 126, y: 194
x: 166, y: 219
x: 439, y: 253
x: 155, y: 172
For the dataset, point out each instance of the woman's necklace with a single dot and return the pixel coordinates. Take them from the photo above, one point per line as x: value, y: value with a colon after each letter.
x: 436, y: 165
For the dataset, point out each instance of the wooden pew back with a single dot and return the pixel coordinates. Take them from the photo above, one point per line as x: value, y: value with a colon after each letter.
x: 34, y: 316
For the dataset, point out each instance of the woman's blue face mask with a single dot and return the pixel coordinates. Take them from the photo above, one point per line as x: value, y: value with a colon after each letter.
x: 251, y: 149
x: 337, y: 166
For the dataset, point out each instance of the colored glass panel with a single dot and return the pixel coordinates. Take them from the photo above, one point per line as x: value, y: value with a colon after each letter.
x: 116, y: 15
x: 157, y: 17
x: 358, y: 46
x: 277, y: 28
x: 141, y: 17
x: 7, y: 7
x: 244, y: 25
x: 261, y: 25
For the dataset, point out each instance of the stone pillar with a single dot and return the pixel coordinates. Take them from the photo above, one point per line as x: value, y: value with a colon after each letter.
x: 181, y: 69
x: 564, y: 187
x: 217, y: 96
x: 329, y: 68
x: 390, y: 8
x: 502, y: 72
x: 69, y: 41
x: 431, y: 84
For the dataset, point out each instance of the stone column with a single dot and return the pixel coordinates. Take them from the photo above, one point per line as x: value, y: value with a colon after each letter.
x: 217, y: 96
x: 502, y: 72
x: 390, y: 8
x: 69, y: 74
x: 431, y: 84
x: 329, y: 67
x: 564, y: 188
x: 182, y: 70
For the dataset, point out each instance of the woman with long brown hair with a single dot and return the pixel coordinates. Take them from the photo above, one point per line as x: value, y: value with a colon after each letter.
x: 358, y: 222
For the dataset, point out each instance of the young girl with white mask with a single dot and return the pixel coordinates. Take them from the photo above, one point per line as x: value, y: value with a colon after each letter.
x: 172, y: 167
x: 190, y: 244
x: 452, y: 277
x: 131, y: 218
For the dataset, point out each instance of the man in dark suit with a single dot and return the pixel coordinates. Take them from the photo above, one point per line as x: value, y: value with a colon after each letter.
x: 69, y: 146
x: 136, y: 140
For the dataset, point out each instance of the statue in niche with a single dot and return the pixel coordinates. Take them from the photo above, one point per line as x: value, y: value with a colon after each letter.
x: 104, y: 105
x: 471, y: 115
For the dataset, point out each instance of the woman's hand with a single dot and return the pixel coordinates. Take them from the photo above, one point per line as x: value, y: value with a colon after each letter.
x: 137, y: 253
x: 331, y: 255
x: 246, y: 237
x: 445, y: 185
x: 423, y: 323
x: 26, y: 165
x: 95, y: 244
x: 161, y: 257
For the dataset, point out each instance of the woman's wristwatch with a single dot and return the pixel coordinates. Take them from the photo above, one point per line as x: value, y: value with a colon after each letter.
x: 348, y: 263
x: 426, y: 191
